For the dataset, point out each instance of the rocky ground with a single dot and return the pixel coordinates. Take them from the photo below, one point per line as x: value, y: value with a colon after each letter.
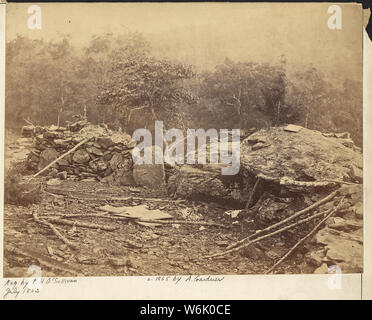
x: 283, y: 171
x: 131, y: 249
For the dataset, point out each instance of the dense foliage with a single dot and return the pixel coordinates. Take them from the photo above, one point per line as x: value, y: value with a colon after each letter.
x: 118, y: 81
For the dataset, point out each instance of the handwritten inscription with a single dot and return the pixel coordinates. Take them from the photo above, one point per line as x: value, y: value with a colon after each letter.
x: 13, y: 289
x: 180, y: 279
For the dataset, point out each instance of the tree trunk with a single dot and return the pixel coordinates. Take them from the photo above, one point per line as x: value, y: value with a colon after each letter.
x: 155, y: 117
x: 277, y: 114
x: 60, y: 110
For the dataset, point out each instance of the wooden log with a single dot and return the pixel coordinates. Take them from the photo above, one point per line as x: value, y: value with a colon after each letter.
x: 289, y: 182
x: 62, y: 156
x: 126, y: 218
x: 200, y: 223
x: 253, y: 193
x: 81, y: 224
x: 304, y: 238
x: 55, y: 231
x: 267, y: 235
x: 290, y: 218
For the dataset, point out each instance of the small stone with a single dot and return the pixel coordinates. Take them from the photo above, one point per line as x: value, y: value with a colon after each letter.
x: 62, y: 143
x: 323, y: 269
x: 62, y: 175
x: 86, y: 260
x: 53, y: 182
x: 315, y: 258
x: 77, y: 139
x: 28, y: 131
x: 99, y: 165
x: 258, y: 146
x: 358, y: 211
x: 119, y: 262
x: 222, y: 243
x: 63, y: 247
x: 132, y: 244
x: 107, y: 155
x: 95, y: 151
x: 81, y: 156
x: 343, y: 135
x: 356, y: 174
x: 51, y: 135
x: 348, y: 143
x: 344, y: 225
x: 292, y: 128
x: 104, y: 142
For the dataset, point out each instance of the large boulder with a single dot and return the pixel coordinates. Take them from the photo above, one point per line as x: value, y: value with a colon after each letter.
x: 149, y: 175
x: 46, y: 157
x: 306, y: 155
x: 206, y: 183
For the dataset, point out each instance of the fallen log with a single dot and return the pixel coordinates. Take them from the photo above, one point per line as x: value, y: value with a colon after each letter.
x: 290, y: 218
x: 304, y: 238
x: 81, y: 224
x: 200, y: 223
x: 253, y: 193
x: 93, y: 196
x: 113, y: 217
x: 289, y: 182
x: 235, y: 249
x: 62, y: 156
x: 55, y: 231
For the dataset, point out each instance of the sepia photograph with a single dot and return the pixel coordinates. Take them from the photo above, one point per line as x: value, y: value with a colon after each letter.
x: 194, y: 139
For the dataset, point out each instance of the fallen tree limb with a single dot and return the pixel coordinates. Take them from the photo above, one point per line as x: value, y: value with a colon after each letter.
x: 62, y: 156
x: 81, y: 224
x: 304, y: 238
x: 286, y: 181
x: 93, y: 196
x: 54, y: 229
x: 290, y: 218
x: 268, y: 235
x: 253, y: 193
x: 200, y: 223
x: 113, y: 217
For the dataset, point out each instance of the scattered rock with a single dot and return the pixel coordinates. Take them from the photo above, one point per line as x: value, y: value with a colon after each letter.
x: 81, y: 156
x: 54, y: 182
x: 323, y: 269
x: 62, y: 175
x: 356, y: 174
x: 95, y: 151
x: 105, y: 142
x: 345, y: 225
x: 222, y: 243
x: 315, y: 258
x: 292, y: 128
x: 120, y: 262
x: 258, y: 146
x: 86, y: 260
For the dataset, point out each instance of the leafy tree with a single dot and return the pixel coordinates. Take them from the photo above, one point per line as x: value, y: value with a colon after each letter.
x: 42, y: 87
x: 139, y: 82
x: 246, y: 89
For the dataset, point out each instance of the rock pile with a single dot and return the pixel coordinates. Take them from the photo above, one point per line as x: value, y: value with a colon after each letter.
x: 106, y: 156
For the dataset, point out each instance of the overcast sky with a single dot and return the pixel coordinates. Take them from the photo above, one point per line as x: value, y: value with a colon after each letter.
x: 204, y: 34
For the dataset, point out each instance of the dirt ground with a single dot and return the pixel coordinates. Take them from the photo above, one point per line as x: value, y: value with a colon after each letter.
x: 131, y: 249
